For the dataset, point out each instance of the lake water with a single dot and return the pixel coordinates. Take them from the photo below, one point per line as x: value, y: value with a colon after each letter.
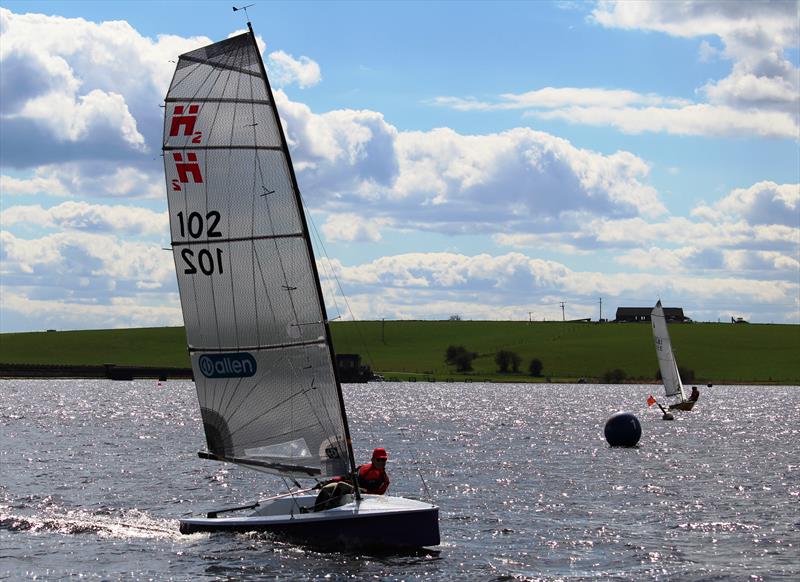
x: 94, y: 476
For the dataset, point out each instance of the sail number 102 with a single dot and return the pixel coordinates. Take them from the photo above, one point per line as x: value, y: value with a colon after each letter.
x: 196, y: 225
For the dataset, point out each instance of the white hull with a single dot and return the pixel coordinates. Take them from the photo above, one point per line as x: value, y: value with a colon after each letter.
x: 377, y: 521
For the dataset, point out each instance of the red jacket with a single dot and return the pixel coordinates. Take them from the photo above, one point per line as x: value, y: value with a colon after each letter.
x: 372, y: 479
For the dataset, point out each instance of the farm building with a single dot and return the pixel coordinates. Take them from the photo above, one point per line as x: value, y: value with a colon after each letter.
x: 629, y: 314
x: 351, y: 370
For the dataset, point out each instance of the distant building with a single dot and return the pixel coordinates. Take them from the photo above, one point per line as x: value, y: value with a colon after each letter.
x: 350, y: 369
x: 738, y: 320
x: 632, y: 314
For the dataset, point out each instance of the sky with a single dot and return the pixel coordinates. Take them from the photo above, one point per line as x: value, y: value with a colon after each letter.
x: 491, y: 160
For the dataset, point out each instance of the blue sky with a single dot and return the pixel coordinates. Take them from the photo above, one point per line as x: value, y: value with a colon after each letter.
x: 483, y: 159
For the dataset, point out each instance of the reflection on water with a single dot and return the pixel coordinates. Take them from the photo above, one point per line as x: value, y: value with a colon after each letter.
x: 95, y: 475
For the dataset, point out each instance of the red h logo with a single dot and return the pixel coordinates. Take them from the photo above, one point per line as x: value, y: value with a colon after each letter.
x: 186, y: 121
x: 187, y: 168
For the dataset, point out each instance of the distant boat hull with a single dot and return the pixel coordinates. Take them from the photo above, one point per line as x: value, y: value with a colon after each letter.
x: 685, y: 406
x: 376, y: 522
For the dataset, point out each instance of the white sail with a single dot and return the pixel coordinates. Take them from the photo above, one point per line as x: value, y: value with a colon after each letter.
x: 252, y: 306
x: 666, y: 359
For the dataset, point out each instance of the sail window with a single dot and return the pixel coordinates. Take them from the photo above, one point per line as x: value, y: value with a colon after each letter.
x: 296, y: 449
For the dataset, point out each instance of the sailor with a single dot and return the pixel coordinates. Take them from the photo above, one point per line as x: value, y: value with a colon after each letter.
x: 372, y: 477
x: 694, y: 395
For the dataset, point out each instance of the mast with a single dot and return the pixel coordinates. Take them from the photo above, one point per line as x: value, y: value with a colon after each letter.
x: 307, y: 239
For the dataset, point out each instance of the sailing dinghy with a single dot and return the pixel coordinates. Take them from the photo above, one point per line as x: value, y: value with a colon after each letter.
x: 670, y: 376
x: 256, y: 325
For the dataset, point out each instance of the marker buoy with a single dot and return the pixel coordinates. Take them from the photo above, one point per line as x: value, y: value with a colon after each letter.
x: 623, y: 430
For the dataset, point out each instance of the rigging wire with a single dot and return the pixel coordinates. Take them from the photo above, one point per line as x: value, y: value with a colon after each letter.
x: 332, y: 275
x: 417, y: 465
x: 325, y: 265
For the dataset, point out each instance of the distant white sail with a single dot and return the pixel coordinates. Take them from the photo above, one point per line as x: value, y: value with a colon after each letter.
x: 666, y: 359
x: 252, y: 305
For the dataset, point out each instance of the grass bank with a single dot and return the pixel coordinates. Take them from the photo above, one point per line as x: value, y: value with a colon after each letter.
x: 718, y: 353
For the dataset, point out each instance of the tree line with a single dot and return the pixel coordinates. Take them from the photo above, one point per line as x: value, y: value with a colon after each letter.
x: 506, y: 361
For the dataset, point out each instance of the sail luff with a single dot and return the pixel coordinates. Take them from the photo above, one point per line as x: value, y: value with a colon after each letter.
x: 309, y: 246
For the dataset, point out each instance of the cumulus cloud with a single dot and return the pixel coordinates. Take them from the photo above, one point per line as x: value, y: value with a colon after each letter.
x: 760, y: 97
x: 141, y: 310
x: 527, y: 188
x: 284, y: 69
x: 754, y: 37
x: 343, y: 150
x: 634, y: 113
x: 355, y: 161
x: 765, y: 214
x: 81, y: 216
x: 81, y: 260
x: 700, y: 119
x: 351, y: 227
x: 68, y: 91
x: 753, y: 232
x: 440, y: 180
x: 86, y: 275
x: 435, y: 285
x: 347, y: 161
x: 764, y: 203
x: 560, y: 97
x: 772, y: 265
x: 94, y: 180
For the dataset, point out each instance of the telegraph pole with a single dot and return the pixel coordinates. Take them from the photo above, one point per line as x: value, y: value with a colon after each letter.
x: 601, y: 311
x: 563, y: 318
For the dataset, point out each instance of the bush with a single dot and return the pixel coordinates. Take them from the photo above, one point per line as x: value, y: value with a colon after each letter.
x: 460, y: 357
x: 535, y: 367
x: 615, y: 376
x: 506, y: 358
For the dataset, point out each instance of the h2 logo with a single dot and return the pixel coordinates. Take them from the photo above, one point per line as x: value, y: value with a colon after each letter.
x: 185, y: 120
x: 190, y: 167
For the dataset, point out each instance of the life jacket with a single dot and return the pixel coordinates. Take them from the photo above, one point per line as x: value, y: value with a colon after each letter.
x: 372, y: 479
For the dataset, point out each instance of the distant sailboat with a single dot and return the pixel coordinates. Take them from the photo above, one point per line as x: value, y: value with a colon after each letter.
x: 255, y: 319
x: 670, y: 376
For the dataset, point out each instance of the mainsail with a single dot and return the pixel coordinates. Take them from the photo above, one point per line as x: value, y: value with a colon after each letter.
x: 666, y: 359
x: 252, y: 305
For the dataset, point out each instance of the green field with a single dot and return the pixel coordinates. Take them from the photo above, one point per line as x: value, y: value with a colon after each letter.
x: 718, y: 353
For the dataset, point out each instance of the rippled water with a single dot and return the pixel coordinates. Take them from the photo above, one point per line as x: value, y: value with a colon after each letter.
x: 94, y: 476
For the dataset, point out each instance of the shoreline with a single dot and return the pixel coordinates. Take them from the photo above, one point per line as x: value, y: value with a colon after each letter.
x: 10, y: 371
x: 107, y: 371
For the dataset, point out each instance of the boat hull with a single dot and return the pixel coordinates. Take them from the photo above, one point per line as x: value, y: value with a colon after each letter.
x: 375, y: 522
x: 685, y: 406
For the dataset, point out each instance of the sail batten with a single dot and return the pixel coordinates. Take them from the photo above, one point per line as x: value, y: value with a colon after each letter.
x: 221, y: 147
x: 219, y: 65
x: 263, y: 347
x: 184, y: 243
x: 214, y: 100
x: 253, y: 310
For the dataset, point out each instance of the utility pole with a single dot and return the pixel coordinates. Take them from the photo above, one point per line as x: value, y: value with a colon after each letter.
x: 530, y: 317
x: 563, y: 318
x: 601, y: 311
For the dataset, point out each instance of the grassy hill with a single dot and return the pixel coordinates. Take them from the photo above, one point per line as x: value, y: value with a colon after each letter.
x: 717, y: 353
